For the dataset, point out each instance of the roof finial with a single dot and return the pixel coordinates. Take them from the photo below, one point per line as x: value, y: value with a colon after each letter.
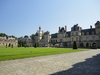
x: 39, y: 28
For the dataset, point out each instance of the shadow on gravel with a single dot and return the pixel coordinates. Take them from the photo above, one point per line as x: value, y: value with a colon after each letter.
x: 89, y: 67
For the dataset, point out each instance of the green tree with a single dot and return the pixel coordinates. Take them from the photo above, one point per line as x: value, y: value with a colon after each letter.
x: 9, y: 45
x: 26, y: 36
x: 3, y: 35
x: 36, y: 45
x: 21, y: 42
x: 6, y: 46
x: 12, y: 46
x: 32, y: 37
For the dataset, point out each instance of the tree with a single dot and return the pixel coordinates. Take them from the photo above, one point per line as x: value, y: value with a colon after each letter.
x: 36, y: 45
x: 9, y: 45
x: 12, y: 46
x: 21, y: 42
x: 74, y: 45
x: 6, y: 45
x: 3, y: 35
x: 12, y: 36
x: 26, y: 36
x: 33, y: 39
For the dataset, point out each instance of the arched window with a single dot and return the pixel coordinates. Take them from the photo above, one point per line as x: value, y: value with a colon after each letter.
x: 87, y: 45
x: 94, y: 45
x: 81, y: 45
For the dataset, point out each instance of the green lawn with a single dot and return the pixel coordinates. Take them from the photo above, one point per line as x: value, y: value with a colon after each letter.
x: 15, y: 53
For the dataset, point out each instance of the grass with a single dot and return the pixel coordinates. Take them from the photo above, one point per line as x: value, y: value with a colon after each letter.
x: 16, y: 53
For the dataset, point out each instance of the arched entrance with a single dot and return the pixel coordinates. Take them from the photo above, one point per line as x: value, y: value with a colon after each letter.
x: 65, y: 44
x: 87, y: 45
x: 94, y: 45
x: 81, y: 45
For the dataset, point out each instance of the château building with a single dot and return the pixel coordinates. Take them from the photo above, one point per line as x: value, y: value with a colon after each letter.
x: 25, y: 41
x: 8, y: 41
x: 42, y: 38
x: 83, y: 37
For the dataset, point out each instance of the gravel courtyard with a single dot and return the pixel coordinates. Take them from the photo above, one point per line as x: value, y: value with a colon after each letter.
x: 78, y: 63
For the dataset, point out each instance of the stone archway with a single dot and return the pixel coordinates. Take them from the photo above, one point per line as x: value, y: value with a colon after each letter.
x: 87, y: 45
x: 94, y: 45
x: 65, y: 44
x: 81, y: 45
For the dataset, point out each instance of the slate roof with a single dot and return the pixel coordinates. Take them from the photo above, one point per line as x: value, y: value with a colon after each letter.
x: 46, y: 33
x: 89, y: 30
x: 68, y: 34
x: 97, y: 23
x: 54, y: 35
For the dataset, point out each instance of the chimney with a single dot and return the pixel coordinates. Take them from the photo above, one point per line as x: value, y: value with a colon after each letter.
x: 39, y: 28
x: 66, y: 28
x: 59, y: 29
x: 90, y: 26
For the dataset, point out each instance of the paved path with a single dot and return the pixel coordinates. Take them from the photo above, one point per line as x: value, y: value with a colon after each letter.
x: 46, y: 65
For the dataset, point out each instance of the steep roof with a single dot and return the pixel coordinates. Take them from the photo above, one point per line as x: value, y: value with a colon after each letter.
x: 97, y: 23
x: 46, y: 33
x: 89, y: 30
x: 54, y: 35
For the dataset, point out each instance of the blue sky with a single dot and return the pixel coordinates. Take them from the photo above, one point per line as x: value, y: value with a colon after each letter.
x: 23, y: 17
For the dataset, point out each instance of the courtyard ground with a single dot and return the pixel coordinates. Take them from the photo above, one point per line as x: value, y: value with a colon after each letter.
x: 78, y: 63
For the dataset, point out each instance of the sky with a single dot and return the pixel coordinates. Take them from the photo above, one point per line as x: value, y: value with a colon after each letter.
x: 23, y: 17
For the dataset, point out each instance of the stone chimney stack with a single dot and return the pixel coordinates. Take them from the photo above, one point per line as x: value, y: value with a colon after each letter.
x: 90, y: 26
x: 59, y: 29
x: 39, y: 28
x: 66, y: 28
